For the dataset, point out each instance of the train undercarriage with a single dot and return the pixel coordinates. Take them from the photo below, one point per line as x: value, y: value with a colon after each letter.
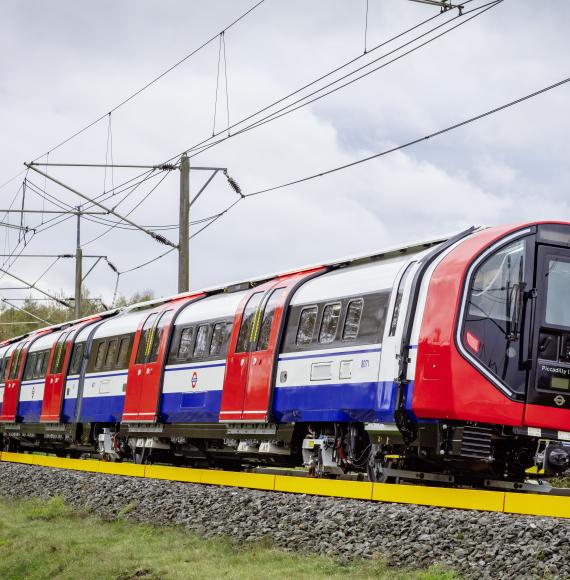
x: 441, y: 453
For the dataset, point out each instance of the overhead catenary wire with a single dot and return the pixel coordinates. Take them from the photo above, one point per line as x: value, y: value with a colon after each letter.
x: 413, y: 142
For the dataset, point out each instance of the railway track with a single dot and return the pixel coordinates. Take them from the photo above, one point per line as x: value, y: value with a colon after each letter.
x: 554, y: 504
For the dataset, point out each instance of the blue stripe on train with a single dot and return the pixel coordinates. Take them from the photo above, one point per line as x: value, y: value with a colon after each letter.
x: 343, y: 402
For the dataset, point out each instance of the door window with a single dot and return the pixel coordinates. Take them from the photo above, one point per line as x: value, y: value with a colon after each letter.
x: 557, y: 292
x: 247, y: 331
x: 15, y: 365
x: 145, y: 341
x: 157, y: 335
x: 268, y: 315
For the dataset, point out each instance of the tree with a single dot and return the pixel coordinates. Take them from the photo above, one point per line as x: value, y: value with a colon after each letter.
x: 21, y: 320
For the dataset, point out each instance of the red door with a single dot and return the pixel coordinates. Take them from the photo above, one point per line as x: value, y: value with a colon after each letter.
x: 150, y: 348
x: 254, y: 348
x: 53, y: 387
x: 12, y: 386
x: 14, y: 379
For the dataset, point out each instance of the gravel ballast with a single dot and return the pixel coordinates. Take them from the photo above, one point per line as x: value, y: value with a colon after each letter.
x: 475, y: 544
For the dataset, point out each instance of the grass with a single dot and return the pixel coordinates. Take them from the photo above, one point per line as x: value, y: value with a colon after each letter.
x: 50, y: 540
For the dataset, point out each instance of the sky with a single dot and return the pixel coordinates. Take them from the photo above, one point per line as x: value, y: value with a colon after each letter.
x: 67, y: 63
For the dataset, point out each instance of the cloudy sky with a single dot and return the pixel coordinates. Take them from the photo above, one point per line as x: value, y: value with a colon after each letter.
x: 67, y: 63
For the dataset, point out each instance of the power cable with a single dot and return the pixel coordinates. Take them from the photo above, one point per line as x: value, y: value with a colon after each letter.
x: 414, y: 141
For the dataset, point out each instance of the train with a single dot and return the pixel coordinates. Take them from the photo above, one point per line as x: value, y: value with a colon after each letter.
x: 444, y: 361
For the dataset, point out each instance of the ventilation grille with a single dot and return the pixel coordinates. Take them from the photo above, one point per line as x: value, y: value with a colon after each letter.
x: 476, y: 442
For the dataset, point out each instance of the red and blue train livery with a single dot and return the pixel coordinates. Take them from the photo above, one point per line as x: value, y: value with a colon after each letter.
x: 447, y: 360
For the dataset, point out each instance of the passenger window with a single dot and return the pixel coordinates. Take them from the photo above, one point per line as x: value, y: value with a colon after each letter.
x: 76, y: 358
x: 329, y: 325
x: 247, y: 329
x: 100, y: 355
x: 268, y: 314
x: 111, y: 353
x: 398, y: 301
x: 218, y: 338
x: 201, y: 346
x: 45, y: 362
x: 145, y: 341
x: 157, y: 335
x: 124, y: 352
x: 352, y: 320
x: 307, y: 322
x: 30, y: 364
x: 185, y: 345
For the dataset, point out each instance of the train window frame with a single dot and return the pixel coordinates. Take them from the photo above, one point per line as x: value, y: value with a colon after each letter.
x: 312, y: 307
x: 220, y: 345
x: 199, y: 354
x: 189, y: 347
x: 267, y: 318
x: 30, y: 366
x: 75, y: 364
x: 334, y: 336
x: 245, y: 334
x: 15, y: 364
x: 100, y: 355
x: 350, y: 302
x: 124, y: 354
x: 111, y: 355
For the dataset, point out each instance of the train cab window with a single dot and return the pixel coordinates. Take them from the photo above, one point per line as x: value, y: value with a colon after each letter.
x: 247, y: 323
x: 218, y: 338
x: 186, y: 338
x: 307, y: 322
x: 110, y: 357
x: 124, y: 352
x: 268, y: 315
x: 201, y: 346
x: 76, y: 358
x: 329, y: 324
x: 558, y: 288
x: 491, y: 329
x: 145, y: 340
x: 30, y: 365
x: 352, y: 320
x: 100, y: 357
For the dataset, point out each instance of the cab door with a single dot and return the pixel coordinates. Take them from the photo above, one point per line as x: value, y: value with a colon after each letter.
x: 548, y: 393
x: 12, y: 386
x: 254, y: 346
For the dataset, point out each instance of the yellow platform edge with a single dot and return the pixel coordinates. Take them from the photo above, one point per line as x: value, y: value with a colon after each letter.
x: 468, y: 499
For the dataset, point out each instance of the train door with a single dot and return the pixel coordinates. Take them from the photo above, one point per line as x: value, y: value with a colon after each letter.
x: 147, y: 362
x: 12, y: 385
x: 53, y: 387
x: 254, y: 348
x: 548, y: 392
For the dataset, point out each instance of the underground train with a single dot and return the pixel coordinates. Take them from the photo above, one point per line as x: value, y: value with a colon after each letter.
x: 447, y: 361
